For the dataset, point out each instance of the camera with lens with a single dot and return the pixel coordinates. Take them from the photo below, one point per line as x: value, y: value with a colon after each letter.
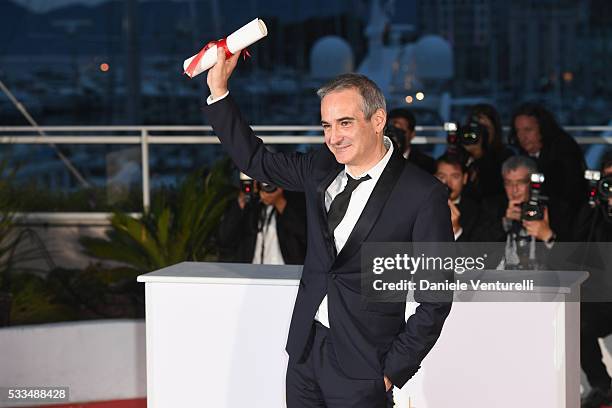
x: 455, y: 147
x: 457, y: 137
x: 533, y: 209
x: 268, y: 188
x: 247, y: 186
x: 600, y: 188
x: 471, y: 133
x: 251, y: 188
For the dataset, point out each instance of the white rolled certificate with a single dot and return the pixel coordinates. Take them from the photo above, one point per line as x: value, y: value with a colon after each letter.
x: 236, y: 42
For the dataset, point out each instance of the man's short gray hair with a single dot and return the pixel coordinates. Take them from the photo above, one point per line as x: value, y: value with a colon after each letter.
x: 515, y: 162
x: 371, y: 95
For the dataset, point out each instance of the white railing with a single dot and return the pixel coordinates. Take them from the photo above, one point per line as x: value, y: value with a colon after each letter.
x: 172, y: 135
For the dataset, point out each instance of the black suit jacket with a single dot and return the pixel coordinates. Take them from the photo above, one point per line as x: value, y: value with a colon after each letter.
x: 562, y: 162
x: 470, y: 214
x: 407, y: 204
x: 487, y: 177
x: 422, y: 160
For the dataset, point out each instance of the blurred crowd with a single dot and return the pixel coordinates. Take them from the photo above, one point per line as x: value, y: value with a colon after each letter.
x: 529, y: 186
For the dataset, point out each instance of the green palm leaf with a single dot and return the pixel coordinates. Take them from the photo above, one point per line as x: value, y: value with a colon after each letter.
x: 174, y: 230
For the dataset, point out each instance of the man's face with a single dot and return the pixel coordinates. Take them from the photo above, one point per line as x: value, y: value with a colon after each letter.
x: 516, y: 184
x: 402, y: 123
x: 270, y: 198
x: 528, y: 133
x: 353, y: 139
x: 453, y: 177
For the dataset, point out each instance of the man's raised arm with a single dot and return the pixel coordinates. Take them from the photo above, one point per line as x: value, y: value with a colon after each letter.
x: 286, y: 170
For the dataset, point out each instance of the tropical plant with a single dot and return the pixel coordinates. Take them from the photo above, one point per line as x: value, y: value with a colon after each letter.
x: 178, y: 227
x: 14, y: 257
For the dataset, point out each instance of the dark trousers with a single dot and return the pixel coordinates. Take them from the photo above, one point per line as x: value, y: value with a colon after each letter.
x: 318, y: 381
x: 595, y: 323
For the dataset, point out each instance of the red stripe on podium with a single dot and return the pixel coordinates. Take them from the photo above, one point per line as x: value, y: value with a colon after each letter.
x: 129, y: 403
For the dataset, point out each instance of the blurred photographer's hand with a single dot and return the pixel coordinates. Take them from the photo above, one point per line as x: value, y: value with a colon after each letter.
x: 513, y: 212
x: 242, y: 201
x: 539, y: 229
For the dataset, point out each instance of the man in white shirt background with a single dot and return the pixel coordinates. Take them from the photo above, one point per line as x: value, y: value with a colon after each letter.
x: 267, y: 226
x: 465, y: 212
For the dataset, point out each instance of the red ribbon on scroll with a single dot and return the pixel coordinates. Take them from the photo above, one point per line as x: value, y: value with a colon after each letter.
x: 220, y: 44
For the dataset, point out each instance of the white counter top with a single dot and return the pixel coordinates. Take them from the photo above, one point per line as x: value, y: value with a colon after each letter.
x: 226, y: 273
x: 289, y: 275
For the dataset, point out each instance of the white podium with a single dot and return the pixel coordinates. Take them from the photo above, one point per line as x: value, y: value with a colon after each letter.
x: 216, y: 335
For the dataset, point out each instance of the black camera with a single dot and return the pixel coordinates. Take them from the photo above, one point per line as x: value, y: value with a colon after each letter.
x: 251, y: 188
x: 533, y: 209
x: 455, y: 147
x: 466, y: 135
x: 600, y: 188
x: 247, y: 186
x: 268, y: 188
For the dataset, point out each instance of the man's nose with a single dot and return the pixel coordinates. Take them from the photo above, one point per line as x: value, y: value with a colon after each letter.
x: 334, y: 135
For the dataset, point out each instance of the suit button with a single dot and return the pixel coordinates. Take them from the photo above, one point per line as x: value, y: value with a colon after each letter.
x: 334, y: 276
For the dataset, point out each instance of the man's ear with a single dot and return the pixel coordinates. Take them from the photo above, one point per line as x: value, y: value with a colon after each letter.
x: 379, y: 119
x: 465, y: 178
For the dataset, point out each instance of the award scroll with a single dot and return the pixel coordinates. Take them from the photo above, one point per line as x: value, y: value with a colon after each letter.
x: 235, y: 42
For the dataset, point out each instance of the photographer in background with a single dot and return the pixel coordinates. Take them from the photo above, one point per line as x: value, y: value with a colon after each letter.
x: 536, y: 133
x: 265, y: 225
x: 594, y: 224
x: 524, y: 216
x: 481, y: 138
x: 594, y: 221
x: 401, y: 129
x: 464, y: 211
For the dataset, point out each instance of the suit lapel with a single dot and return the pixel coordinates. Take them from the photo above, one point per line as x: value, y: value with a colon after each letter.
x: 374, y: 206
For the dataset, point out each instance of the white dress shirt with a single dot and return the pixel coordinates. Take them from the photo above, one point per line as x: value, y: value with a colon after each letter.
x: 359, y: 199
x: 210, y: 100
x: 267, y: 246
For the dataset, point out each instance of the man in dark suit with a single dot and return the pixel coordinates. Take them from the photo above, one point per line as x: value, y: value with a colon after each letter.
x: 535, y: 131
x: 465, y: 212
x: 403, y: 119
x: 345, y: 351
x: 271, y: 230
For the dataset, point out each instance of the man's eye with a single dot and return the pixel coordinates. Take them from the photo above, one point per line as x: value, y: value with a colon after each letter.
x: 345, y: 123
x: 325, y: 127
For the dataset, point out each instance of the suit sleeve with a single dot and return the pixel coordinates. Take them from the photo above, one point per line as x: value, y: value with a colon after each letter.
x: 422, y: 328
x: 286, y: 170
